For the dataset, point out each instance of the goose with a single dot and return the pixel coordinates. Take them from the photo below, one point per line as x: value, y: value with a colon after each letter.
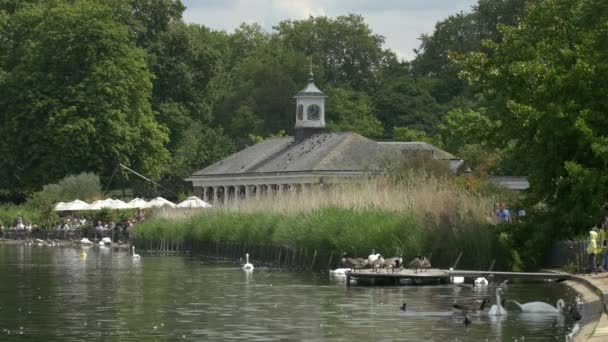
x: 497, y: 309
x: 134, y: 256
x: 426, y: 263
x: 373, y: 257
x: 395, y: 262
x: 470, y: 307
x: 456, y: 280
x: 416, y: 263
x: 481, y: 281
x: 352, y: 263
x: 247, y: 266
x: 378, y: 263
x: 541, y: 306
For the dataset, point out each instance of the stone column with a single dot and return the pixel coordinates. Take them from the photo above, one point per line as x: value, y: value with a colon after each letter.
x: 215, y: 195
x: 204, y: 194
x: 247, y: 191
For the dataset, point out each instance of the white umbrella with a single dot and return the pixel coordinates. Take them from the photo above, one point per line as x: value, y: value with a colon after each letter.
x: 159, y: 202
x: 194, y: 202
x: 76, y: 206
x: 97, y: 205
x: 138, y: 203
x: 118, y: 204
x: 60, y: 206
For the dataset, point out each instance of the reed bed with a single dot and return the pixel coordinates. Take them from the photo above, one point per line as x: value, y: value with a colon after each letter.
x: 432, y: 216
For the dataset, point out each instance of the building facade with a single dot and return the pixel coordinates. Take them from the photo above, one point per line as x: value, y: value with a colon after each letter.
x: 311, y: 157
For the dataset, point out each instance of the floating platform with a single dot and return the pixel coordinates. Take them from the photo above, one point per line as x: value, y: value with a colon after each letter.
x: 435, y: 275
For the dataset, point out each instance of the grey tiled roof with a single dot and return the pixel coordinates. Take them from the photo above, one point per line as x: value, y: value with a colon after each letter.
x: 344, y: 151
x: 407, y: 146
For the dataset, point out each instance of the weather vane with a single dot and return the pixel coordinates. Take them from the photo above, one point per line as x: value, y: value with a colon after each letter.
x: 310, y: 64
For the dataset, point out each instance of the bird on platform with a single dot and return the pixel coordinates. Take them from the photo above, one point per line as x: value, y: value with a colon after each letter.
x: 134, y: 256
x: 247, y: 266
x: 481, y: 281
x: 416, y: 263
x: 373, y: 257
x: 403, y: 307
x: 426, y: 263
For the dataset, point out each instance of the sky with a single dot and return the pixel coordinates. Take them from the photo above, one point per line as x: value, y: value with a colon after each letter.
x: 401, y: 22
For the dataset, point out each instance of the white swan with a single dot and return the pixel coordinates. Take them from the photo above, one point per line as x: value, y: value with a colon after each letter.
x: 542, y: 307
x: 247, y: 266
x: 134, y: 256
x: 106, y: 240
x: 339, y: 271
x: 497, y: 309
x: 456, y: 280
x: 481, y: 281
x: 373, y: 257
x: 86, y: 241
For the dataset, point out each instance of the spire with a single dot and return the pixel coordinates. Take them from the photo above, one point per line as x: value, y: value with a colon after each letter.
x: 311, y: 78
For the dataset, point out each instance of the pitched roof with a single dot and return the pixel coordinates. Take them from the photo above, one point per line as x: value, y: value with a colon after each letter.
x: 343, y: 151
x: 311, y: 89
x: 416, y: 146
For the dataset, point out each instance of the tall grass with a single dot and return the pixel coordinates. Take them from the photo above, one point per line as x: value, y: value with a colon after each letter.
x: 432, y: 216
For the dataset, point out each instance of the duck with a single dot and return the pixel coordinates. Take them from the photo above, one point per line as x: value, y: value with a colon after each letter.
x: 467, y: 320
x: 134, y: 256
x: 541, y: 306
x: 373, y: 257
x: 481, y: 281
x: 403, y: 307
x: 456, y: 280
x: 247, y: 266
x: 83, y: 254
x: 470, y: 307
x: 498, y: 309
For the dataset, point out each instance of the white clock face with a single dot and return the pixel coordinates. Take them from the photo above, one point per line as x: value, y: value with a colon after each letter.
x: 313, y: 112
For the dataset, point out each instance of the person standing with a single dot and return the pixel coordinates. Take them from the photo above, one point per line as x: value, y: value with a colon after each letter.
x: 592, y: 249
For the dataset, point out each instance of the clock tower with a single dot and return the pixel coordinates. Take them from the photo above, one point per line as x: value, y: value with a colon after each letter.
x: 310, y: 111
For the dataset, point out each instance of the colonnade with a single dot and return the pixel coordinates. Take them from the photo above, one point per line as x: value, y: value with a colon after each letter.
x: 221, y: 194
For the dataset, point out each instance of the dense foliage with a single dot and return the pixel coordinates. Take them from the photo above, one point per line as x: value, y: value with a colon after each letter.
x: 88, y: 84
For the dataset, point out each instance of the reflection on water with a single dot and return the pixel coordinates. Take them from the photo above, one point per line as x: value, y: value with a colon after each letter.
x: 51, y: 293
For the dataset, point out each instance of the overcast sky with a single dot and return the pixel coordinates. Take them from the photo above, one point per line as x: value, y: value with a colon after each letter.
x: 401, y: 22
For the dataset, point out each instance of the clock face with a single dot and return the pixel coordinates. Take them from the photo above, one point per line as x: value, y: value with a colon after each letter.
x: 300, y: 112
x: 314, y: 112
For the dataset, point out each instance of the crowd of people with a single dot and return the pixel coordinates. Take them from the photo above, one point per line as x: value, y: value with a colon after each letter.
x: 73, y: 227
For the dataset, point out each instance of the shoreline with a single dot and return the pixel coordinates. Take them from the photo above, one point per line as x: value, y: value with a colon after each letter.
x: 593, y: 290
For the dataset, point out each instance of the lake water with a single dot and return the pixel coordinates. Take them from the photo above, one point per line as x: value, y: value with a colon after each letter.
x: 52, y: 294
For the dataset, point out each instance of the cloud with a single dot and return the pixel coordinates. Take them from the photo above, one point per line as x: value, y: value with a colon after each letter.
x: 401, y: 22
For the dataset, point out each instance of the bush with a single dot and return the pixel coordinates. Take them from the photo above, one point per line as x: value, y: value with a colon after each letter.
x: 84, y: 186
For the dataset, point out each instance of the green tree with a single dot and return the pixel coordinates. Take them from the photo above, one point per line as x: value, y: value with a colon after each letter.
x: 407, y: 134
x: 75, y: 97
x: 345, y: 48
x: 350, y: 110
x: 547, y: 79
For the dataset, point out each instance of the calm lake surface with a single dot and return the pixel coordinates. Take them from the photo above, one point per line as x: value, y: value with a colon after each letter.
x: 52, y: 294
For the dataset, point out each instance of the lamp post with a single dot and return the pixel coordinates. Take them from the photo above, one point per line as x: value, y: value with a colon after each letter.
x: 467, y: 175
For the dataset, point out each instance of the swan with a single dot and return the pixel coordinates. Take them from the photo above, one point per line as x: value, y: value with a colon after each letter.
x: 456, y: 280
x: 542, y: 307
x: 373, y: 257
x: 86, y: 241
x: 339, y: 271
x: 497, y: 309
x: 481, y: 281
x: 106, y: 240
x: 247, y: 266
x: 134, y: 256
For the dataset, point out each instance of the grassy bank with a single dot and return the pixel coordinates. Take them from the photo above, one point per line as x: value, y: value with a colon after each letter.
x: 422, y: 215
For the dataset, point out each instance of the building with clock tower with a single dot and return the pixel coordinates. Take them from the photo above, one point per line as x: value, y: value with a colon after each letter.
x: 311, y: 157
